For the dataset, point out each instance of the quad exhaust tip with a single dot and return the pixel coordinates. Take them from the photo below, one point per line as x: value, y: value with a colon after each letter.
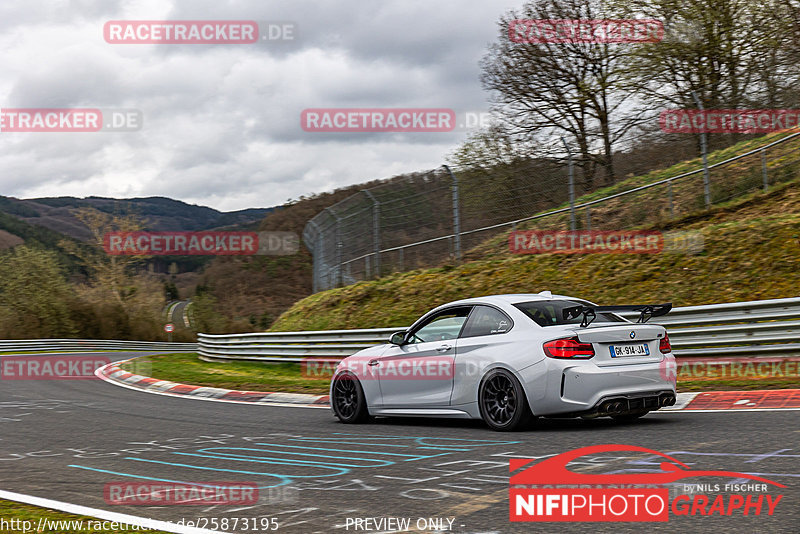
x: 667, y: 400
x: 622, y: 406
x: 610, y: 407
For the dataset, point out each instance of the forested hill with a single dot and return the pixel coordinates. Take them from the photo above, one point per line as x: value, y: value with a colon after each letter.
x: 158, y: 213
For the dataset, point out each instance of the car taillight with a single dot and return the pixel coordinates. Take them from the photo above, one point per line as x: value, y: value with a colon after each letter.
x: 568, y: 347
x: 664, y: 345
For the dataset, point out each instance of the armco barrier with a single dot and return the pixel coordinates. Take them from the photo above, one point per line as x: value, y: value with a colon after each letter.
x: 77, y: 345
x: 755, y: 328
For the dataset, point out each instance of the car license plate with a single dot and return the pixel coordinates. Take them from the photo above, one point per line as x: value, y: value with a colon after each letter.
x: 637, y: 349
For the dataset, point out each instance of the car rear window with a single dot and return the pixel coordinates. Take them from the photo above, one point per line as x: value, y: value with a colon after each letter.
x: 551, y: 312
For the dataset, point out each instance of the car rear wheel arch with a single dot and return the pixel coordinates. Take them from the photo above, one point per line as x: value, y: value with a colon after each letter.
x: 494, y: 379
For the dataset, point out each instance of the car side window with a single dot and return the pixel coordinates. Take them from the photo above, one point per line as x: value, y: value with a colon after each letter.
x: 442, y: 326
x: 485, y: 321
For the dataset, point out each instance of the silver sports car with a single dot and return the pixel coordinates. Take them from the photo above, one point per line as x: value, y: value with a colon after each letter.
x: 507, y: 359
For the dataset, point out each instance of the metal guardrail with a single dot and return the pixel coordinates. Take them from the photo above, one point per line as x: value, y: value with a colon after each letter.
x: 755, y: 328
x: 61, y: 345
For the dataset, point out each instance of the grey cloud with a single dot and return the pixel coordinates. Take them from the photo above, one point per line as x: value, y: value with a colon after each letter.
x: 222, y: 122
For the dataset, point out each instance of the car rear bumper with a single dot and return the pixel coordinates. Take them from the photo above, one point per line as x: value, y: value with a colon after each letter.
x: 564, y: 387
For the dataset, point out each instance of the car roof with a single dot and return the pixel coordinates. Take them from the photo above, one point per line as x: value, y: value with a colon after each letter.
x: 511, y: 298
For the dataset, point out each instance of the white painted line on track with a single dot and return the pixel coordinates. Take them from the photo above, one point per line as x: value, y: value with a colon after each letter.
x: 681, y: 400
x: 104, y: 514
x: 731, y: 410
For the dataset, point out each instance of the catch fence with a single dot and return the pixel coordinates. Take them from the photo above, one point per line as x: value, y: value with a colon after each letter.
x: 428, y: 218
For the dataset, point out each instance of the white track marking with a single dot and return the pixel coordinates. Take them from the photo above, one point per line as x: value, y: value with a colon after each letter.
x: 104, y: 514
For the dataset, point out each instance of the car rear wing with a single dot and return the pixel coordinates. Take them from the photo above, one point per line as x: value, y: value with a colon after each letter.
x: 646, y: 311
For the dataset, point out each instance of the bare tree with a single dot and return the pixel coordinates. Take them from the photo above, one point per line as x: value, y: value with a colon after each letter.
x: 731, y: 53
x: 575, y: 88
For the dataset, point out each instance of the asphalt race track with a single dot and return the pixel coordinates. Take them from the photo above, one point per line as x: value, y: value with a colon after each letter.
x: 65, y: 439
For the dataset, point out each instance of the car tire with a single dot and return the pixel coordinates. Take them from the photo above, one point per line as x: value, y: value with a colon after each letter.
x: 630, y: 416
x: 502, y: 402
x: 348, y: 401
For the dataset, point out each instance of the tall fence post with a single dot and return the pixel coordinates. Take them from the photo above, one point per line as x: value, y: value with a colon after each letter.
x: 456, y: 217
x: 316, y: 257
x: 704, y: 151
x: 671, y: 200
x: 764, y: 170
x: 316, y: 267
x: 376, y: 231
x: 338, y: 243
x: 572, y: 224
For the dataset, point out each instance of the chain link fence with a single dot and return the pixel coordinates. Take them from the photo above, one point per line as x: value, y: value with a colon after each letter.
x: 427, y: 218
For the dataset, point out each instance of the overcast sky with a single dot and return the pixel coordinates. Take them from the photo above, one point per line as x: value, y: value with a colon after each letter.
x: 221, y: 122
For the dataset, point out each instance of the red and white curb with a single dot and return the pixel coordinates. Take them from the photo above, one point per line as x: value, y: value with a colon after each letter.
x: 711, y: 401
x: 114, y: 374
x: 737, y: 401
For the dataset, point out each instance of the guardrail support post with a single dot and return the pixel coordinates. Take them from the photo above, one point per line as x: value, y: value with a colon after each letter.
x: 764, y: 169
x: 588, y: 219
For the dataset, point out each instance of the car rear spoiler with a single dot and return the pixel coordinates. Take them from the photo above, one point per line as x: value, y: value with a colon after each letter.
x: 646, y: 311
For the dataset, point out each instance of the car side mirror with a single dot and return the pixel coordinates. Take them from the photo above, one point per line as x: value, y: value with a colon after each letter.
x: 398, y: 338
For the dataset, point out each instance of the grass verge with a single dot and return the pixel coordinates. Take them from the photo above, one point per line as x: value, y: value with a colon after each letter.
x: 15, y: 515
x: 187, y: 368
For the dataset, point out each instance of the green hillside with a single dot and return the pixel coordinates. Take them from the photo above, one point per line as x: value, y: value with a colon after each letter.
x: 752, y: 251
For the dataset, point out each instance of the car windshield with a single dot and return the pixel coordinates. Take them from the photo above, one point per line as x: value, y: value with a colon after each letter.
x: 551, y: 312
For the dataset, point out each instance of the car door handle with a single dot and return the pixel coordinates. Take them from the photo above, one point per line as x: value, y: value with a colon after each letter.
x: 444, y: 348
x: 373, y: 362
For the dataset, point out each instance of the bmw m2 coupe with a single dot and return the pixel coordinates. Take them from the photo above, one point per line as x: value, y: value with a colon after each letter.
x: 508, y: 359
